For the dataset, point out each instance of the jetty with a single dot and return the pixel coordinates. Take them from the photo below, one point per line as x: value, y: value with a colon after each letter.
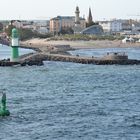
x: 38, y: 58
x: 77, y: 59
x: 60, y: 53
x: 48, y: 52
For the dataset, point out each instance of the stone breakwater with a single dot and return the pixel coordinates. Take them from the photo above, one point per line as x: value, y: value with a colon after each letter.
x: 4, y: 63
x: 38, y: 58
x: 59, y: 53
x: 83, y: 60
x: 30, y: 62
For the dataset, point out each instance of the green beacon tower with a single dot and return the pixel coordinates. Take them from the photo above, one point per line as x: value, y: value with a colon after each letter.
x: 15, y: 45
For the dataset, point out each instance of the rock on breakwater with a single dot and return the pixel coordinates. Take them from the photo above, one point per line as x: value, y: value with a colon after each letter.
x: 40, y: 57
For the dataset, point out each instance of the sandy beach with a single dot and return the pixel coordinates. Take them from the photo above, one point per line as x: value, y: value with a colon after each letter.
x: 44, y: 44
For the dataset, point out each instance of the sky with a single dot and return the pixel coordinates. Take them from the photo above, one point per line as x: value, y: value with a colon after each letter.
x: 46, y: 9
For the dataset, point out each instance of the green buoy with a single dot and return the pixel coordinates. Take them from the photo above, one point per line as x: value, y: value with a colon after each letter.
x: 3, y: 110
x: 15, y: 45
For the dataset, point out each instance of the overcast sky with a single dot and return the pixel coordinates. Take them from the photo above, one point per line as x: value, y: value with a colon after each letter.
x: 44, y: 9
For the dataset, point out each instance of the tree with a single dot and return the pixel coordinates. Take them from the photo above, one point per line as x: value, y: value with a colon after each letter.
x: 67, y: 30
x: 9, y: 30
x: 1, y: 26
x: 26, y: 34
x: 91, y: 23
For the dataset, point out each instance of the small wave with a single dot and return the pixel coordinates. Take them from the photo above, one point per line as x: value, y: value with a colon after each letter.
x: 135, y: 125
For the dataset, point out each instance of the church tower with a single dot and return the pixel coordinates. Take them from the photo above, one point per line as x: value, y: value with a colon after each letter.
x: 77, y: 19
x: 89, y: 20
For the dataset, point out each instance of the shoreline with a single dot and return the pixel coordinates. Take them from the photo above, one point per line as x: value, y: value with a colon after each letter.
x: 58, y: 51
x: 45, y: 46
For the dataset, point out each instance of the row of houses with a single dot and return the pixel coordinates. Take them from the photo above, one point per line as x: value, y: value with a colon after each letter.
x: 41, y: 26
x: 54, y: 25
x: 57, y: 24
x: 120, y: 26
x: 79, y: 25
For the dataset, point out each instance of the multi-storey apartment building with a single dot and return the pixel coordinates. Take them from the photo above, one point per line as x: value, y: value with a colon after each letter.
x: 112, y: 26
x: 122, y: 26
x: 41, y: 26
x: 64, y: 22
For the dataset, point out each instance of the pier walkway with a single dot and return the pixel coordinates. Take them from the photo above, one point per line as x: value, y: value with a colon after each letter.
x: 38, y: 58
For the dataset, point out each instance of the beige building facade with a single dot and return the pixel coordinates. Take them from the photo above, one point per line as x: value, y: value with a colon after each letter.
x: 54, y: 25
x: 59, y: 23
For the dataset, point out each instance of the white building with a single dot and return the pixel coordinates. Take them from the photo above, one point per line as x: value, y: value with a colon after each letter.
x: 41, y: 26
x: 28, y: 25
x: 128, y: 39
x: 112, y: 26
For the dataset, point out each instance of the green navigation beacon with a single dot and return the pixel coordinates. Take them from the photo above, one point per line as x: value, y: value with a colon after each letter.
x: 3, y: 110
x: 15, y: 45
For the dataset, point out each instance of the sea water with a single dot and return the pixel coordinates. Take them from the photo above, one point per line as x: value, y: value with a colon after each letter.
x: 5, y: 51
x: 68, y: 101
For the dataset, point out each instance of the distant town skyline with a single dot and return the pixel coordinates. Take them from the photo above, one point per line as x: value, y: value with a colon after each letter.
x: 46, y: 9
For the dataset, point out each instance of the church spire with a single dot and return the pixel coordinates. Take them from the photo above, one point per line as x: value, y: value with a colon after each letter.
x: 90, y: 17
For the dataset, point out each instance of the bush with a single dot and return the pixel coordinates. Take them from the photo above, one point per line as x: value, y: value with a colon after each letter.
x: 85, y: 37
x: 9, y: 30
x: 26, y: 33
